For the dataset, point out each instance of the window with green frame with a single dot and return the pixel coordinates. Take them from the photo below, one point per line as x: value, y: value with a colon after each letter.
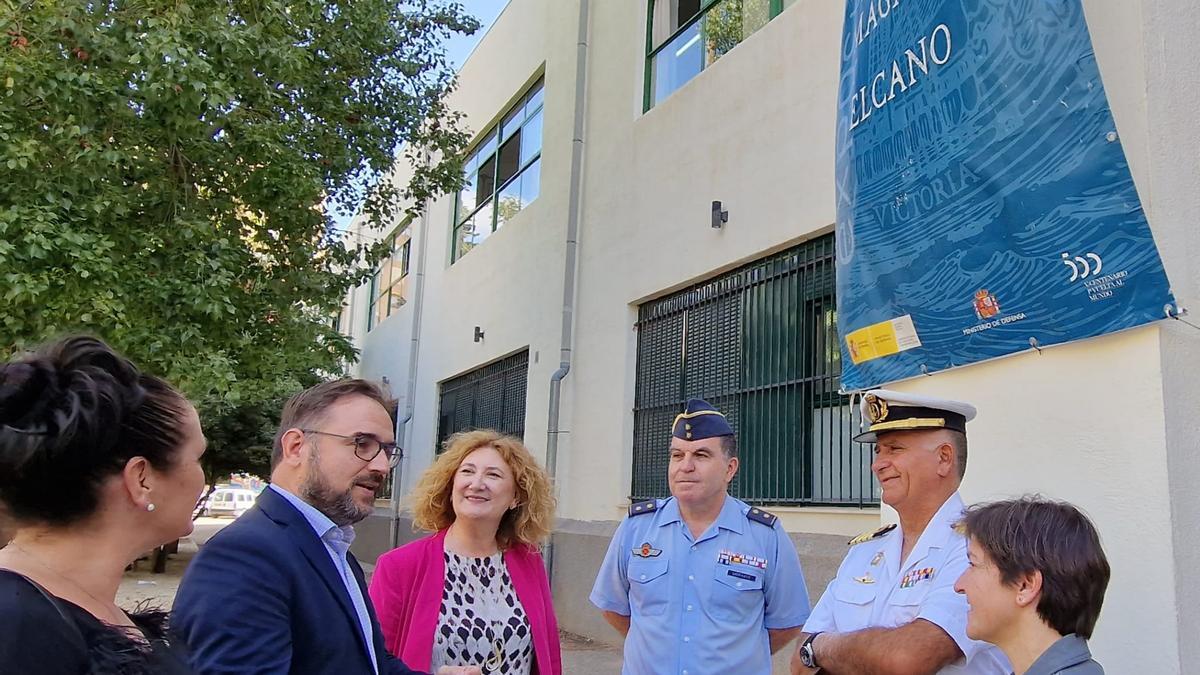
x: 389, y: 284
x: 686, y: 36
x: 503, y: 174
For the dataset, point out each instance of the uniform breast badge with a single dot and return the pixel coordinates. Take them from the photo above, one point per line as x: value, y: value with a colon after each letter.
x: 727, y: 557
x: 914, y: 576
x: 865, y: 579
x: 647, y: 551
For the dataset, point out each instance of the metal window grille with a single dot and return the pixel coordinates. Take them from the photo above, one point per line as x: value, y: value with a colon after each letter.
x: 760, y: 343
x: 491, y: 397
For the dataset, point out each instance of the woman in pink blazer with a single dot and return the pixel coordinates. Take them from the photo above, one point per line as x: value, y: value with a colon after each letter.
x: 475, y: 592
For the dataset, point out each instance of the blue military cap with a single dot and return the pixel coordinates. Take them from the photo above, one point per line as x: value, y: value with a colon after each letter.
x: 700, y: 420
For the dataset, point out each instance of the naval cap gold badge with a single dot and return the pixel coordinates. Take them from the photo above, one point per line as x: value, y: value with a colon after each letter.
x: 877, y: 409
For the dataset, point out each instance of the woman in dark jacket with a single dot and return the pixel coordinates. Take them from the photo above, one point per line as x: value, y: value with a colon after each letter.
x: 99, y: 463
x: 1035, y: 583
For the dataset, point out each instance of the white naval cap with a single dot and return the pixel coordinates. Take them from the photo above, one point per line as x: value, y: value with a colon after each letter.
x: 887, y: 410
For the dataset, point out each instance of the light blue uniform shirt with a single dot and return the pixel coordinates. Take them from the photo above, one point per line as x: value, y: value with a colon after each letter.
x: 337, y: 542
x: 704, y: 605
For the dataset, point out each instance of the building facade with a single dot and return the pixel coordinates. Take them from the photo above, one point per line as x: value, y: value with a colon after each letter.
x: 585, y: 284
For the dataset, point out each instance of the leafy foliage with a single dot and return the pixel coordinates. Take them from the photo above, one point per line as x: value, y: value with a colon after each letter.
x: 166, y: 173
x: 732, y: 21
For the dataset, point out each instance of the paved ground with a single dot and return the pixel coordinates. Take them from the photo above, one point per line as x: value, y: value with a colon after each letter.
x: 580, y: 656
x: 584, y: 657
x: 142, y: 585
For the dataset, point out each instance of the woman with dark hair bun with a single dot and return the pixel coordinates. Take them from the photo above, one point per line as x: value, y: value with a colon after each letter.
x: 99, y: 463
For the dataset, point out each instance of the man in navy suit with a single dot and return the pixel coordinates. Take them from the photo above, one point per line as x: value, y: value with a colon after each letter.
x: 278, y: 591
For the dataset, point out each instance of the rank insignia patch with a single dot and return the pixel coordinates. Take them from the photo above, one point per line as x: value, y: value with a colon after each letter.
x: 873, y: 534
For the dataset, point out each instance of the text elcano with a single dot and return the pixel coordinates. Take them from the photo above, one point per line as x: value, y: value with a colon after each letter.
x: 925, y: 56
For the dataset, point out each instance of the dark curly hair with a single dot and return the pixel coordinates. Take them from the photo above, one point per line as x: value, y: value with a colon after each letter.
x: 72, y: 414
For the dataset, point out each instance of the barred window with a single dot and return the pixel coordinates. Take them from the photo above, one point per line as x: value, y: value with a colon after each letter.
x: 490, y: 397
x: 760, y: 343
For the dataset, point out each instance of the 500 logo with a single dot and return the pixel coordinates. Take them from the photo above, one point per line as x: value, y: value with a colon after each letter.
x: 1087, y: 268
x: 1083, y: 266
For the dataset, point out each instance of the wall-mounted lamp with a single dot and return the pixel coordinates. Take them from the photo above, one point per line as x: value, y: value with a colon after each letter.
x: 478, y: 334
x: 719, y: 217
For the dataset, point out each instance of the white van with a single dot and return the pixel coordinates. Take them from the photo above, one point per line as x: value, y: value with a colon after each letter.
x: 229, y: 502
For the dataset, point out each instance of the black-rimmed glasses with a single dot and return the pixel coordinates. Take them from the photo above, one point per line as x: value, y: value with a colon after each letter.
x: 366, y: 446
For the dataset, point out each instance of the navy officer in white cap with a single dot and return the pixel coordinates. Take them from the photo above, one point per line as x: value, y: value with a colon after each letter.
x: 701, y: 583
x: 892, y: 606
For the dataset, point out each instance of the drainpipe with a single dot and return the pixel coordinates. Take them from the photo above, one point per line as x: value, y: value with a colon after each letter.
x: 402, y: 420
x: 570, y: 268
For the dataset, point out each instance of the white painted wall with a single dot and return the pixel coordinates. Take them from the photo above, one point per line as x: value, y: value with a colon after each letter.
x: 1172, y: 201
x: 1055, y: 423
x: 384, y: 350
x: 511, y: 285
x: 1110, y: 424
x: 752, y: 131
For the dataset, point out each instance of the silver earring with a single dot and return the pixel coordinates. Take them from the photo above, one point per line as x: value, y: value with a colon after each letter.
x: 150, y: 506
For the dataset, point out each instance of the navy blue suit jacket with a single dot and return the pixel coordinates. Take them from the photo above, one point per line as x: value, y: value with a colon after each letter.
x: 263, y: 597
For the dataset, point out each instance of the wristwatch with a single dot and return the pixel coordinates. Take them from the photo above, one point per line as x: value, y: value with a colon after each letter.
x: 808, y: 655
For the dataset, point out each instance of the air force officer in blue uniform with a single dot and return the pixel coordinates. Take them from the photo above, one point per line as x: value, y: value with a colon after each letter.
x: 701, y: 582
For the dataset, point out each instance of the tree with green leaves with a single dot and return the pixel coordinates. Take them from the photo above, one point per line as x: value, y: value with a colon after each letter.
x: 169, y: 169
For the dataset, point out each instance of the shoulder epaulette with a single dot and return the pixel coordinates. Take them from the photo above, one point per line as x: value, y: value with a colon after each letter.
x: 644, y: 506
x: 759, y: 516
x: 873, y: 534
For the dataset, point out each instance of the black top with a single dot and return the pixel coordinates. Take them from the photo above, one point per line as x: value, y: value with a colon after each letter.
x: 36, y: 637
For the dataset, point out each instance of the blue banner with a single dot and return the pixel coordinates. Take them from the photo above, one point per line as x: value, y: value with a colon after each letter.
x: 985, y: 205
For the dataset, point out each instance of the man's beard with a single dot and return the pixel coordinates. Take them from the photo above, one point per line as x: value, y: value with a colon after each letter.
x: 340, y: 507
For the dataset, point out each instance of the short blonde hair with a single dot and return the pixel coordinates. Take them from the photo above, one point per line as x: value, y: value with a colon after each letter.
x: 530, y: 523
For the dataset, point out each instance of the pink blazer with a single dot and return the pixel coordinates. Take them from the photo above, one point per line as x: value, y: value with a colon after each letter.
x: 407, y: 593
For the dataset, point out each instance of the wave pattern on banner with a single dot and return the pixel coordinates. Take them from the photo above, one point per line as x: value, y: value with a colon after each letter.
x: 977, y: 163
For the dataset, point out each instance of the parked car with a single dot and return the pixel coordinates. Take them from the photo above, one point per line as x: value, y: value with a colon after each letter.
x: 229, y: 502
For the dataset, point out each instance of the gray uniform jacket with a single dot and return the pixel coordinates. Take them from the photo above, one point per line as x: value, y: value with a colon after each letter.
x: 1068, y: 656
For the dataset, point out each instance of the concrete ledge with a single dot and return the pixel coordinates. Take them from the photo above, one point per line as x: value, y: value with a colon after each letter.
x: 372, y: 537
x: 579, y: 548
